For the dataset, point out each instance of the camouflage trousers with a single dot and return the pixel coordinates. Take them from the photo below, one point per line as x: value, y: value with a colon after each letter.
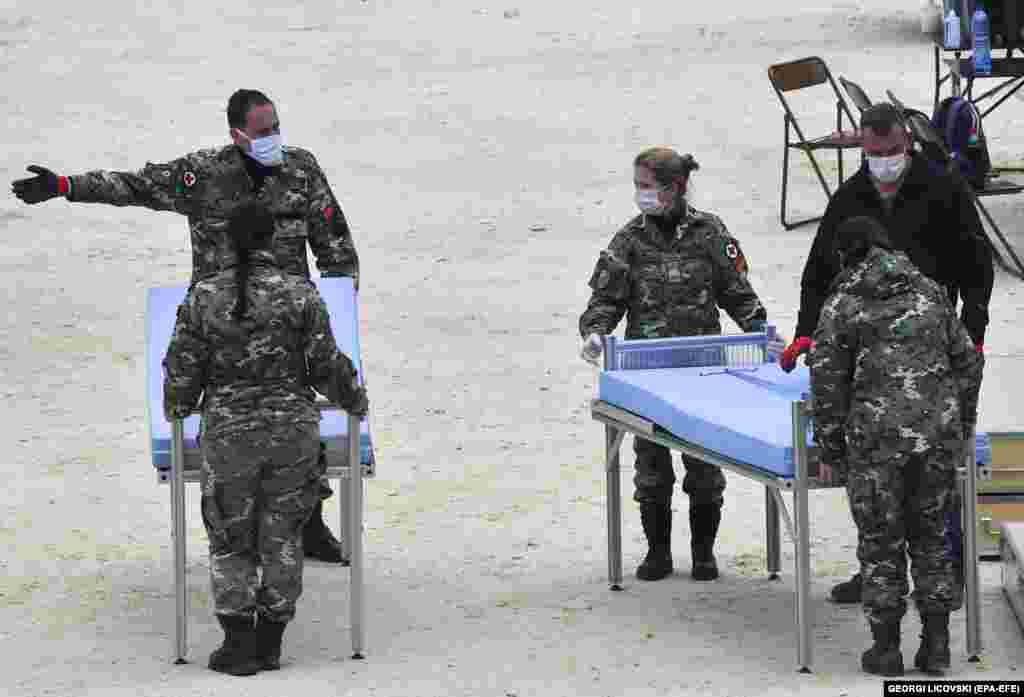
x: 655, y: 477
x: 900, y: 503
x: 258, y: 490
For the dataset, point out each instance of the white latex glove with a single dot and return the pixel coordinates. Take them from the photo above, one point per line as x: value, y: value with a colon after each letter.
x: 592, y: 349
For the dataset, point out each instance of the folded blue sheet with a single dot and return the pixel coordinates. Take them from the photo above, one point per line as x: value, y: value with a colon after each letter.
x: 743, y: 414
x: 161, y: 312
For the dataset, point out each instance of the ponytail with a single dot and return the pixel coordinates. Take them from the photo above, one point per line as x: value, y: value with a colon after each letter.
x: 250, y: 229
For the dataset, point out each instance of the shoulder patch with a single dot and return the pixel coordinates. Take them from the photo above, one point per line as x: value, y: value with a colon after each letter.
x: 735, y: 255
x: 188, y: 179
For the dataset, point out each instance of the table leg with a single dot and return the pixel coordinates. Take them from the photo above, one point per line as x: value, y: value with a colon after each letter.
x: 613, y: 440
x: 355, y: 534
x: 802, y: 540
x: 969, y: 555
x: 772, y: 533
x: 178, y: 533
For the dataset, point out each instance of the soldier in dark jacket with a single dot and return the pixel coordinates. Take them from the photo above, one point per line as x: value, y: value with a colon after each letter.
x: 205, y: 185
x: 928, y: 216
x: 253, y: 340
x: 668, y: 271
x: 895, y: 380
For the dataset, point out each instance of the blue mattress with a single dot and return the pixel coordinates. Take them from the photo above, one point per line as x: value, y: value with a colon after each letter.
x: 161, y: 312
x: 742, y: 414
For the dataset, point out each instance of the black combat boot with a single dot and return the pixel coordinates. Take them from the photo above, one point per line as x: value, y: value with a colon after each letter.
x: 270, y: 636
x: 704, y: 521
x: 657, y: 522
x: 239, y: 654
x: 933, y: 656
x: 318, y: 542
x: 884, y: 657
x: 847, y: 591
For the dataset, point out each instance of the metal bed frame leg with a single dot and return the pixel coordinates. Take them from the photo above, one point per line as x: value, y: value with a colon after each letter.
x: 969, y: 557
x: 344, y: 496
x: 772, y: 533
x: 355, y: 510
x: 802, y: 539
x: 178, y: 540
x: 613, y: 439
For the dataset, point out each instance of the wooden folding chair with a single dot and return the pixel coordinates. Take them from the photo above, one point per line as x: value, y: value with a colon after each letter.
x: 798, y: 75
x: 932, y: 143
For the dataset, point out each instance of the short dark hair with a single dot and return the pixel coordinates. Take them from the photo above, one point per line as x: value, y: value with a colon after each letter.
x: 241, y: 102
x: 881, y: 118
x: 856, y: 236
x: 666, y: 164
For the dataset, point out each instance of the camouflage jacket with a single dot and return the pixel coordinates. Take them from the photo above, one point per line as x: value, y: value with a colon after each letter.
x: 892, y: 365
x: 671, y: 286
x: 207, y: 185
x: 259, y: 370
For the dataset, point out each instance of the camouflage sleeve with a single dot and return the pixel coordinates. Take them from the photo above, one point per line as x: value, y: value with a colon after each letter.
x: 159, y: 187
x: 733, y: 292
x: 331, y: 372
x: 329, y: 235
x: 609, y: 284
x: 831, y: 362
x: 967, y: 364
x: 186, y: 362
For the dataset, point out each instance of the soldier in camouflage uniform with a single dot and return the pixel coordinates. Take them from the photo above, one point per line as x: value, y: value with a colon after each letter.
x: 668, y: 271
x: 205, y: 185
x: 251, y: 340
x: 895, y: 380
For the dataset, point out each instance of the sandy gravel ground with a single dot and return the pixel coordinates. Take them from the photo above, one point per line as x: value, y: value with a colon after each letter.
x: 482, y: 154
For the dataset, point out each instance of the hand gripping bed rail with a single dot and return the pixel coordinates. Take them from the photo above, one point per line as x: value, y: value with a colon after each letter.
x: 729, y: 351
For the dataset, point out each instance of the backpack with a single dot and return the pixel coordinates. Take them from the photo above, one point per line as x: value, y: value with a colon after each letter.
x: 958, y: 121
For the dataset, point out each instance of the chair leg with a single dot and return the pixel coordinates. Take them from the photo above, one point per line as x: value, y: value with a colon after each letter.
x: 785, y: 184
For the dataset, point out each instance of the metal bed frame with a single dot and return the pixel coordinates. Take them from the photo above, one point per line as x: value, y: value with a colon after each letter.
x: 185, y: 468
x: 749, y: 350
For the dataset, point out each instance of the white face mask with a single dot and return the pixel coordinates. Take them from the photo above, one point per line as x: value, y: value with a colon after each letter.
x: 887, y: 169
x: 647, y: 201
x: 267, y: 151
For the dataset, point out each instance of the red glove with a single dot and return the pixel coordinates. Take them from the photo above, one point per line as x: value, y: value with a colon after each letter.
x: 980, y: 348
x: 801, y: 344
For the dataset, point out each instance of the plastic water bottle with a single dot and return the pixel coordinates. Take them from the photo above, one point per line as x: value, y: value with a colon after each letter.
x: 982, y: 47
x: 951, y: 30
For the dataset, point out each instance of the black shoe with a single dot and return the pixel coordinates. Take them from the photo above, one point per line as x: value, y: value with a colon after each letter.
x: 884, y: 657
x: 657, y: 522
x: 270, y: 636
x: 847, y: 591
x: 239, y: 654
x: 933, y: 655
x: 704, y: 521
x: 319, y: 543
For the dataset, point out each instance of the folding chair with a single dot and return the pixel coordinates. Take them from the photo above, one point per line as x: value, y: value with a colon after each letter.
x: 857, y: 95
x: 798, y: 75
x: 921, y: 128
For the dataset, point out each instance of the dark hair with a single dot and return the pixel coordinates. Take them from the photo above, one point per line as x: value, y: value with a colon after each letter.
x: 666, y: 164
x: 881, y: 118
x: 856, y: 236
x: 241, y: 102
x: 250, y: 228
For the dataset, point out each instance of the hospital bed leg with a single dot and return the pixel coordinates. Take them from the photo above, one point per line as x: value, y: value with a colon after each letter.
x: 772, y: 533
x: 355, y: 534
x: 969, y: 556
x: 802, y: 539
x: 178, y: 534
x: 613, y: 440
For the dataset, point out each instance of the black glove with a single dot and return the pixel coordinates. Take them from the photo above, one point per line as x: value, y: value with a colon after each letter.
x: 349, y: 394
x: 360, y: 404
x: 40, y: 188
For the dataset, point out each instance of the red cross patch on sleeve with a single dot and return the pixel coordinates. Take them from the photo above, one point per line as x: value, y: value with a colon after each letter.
x: 732, y: 251
x: 188, y: 179
x: 328, y: 214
